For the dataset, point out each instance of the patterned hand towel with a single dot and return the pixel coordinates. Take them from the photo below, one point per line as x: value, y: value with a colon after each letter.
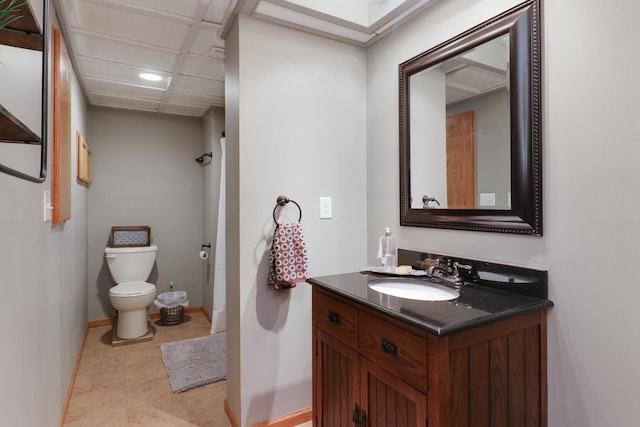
x: 288, y: 258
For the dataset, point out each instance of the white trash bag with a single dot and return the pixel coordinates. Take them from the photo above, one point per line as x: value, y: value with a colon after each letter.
x: 171, y: 299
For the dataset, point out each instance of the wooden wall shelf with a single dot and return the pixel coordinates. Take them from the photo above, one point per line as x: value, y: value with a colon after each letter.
x: 13, y: 130
x: 25, y: 32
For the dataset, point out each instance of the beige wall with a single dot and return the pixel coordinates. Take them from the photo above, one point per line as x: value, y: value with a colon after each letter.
x: 145, y: 173
x: 590, y: 152
x: 295, y: 120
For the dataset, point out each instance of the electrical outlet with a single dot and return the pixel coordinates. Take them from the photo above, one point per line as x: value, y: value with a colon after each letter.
x: 325, y: 207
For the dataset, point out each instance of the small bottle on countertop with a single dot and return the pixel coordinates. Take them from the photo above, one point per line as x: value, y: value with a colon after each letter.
x: 170, y: 286
x: 387, y: 252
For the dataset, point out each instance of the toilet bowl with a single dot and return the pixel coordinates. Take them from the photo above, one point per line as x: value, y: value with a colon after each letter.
x: 131, y: 296
x: 131, y: 299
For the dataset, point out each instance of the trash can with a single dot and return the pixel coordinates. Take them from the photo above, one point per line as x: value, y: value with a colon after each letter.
x: 171, y: 305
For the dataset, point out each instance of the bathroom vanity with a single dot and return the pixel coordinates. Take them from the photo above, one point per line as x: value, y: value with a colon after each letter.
x: 383, y: 361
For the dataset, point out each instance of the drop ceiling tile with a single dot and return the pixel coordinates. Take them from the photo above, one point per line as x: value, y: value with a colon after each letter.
x: 181, y: 7
x: 216, y: 11
x: 131, y: 25
x: 185, y: 110
x: 455, y: 94
x: 179, y: 97
x: 207, y: 40
x: 125, y: 53
x: 475, y: 78
x: 206, y: 68
x: 122, y: 89
x: 196, y: 85
x: 109, y: 100
x: 120, y: 73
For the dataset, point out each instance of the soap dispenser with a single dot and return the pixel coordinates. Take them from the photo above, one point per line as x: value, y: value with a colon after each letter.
x: 387, y: 252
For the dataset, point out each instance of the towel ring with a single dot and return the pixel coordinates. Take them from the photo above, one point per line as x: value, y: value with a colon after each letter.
x: 281, y: 201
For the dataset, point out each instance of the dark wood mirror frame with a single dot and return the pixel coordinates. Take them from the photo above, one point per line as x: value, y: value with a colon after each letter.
x: 525, y: 215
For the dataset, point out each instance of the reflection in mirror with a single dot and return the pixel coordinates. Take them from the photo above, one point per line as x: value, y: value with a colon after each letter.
x: 460, y: 131
x: 470, y: 129
x: 23, y: 92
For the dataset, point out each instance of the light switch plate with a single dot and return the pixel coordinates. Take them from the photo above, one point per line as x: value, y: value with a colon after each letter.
x: 325, y: 207
x: 46, y: 206
x: 487, y: 199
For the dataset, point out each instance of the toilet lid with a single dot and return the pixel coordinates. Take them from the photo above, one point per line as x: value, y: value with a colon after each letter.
x: 132, y: 288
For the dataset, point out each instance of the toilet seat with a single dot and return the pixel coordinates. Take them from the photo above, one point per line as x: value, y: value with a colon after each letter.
x: 132, y: 289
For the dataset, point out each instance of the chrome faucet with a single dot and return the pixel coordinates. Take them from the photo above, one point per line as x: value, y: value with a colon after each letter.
x: 426, y: 200
x: 436, y: 269
x: 439, y: 268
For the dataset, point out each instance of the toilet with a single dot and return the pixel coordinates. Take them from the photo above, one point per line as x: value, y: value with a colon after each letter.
x: 130, y: 267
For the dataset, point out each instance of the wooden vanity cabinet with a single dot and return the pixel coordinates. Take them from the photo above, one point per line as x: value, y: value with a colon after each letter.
x: 371, y: 370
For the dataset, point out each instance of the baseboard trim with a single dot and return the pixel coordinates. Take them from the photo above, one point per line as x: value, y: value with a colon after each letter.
x: 230, y: 415
x: 153, y: 315
x: 290, y: 420
x: 206, y: 314
x: 67, y: 399
x: 106, y: 321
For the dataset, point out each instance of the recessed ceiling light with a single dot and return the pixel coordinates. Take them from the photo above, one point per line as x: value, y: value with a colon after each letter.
x: 150, y: 76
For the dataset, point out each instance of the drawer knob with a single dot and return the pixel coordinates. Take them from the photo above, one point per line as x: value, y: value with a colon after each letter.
x: 334, y: 318
x: 389, y: 347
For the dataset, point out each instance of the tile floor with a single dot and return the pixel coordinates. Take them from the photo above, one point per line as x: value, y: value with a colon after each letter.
x: 128, y: 385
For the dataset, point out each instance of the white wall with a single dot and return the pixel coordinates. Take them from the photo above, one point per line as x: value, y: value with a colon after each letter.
x: 429, y: 135
x: 145, y: 173
x: 43, y: 272
x: 591, y: 181
x: 295, y: 114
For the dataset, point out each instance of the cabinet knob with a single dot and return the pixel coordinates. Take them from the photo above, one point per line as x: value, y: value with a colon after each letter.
x: 389, y: 347
x: 334, y: 318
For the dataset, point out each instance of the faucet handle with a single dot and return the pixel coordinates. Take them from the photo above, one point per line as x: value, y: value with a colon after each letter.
x: 456, y: 273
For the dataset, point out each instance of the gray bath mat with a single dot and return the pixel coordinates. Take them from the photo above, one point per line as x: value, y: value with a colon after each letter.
x: 196, y: 361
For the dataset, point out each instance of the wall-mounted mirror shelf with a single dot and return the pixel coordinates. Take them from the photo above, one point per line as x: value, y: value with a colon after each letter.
x: 25, y: 33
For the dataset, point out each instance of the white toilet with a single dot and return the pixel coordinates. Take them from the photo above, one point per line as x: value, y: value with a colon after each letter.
x: 129, y: 268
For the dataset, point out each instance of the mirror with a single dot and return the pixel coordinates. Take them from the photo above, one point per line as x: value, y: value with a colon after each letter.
x: 470, y: 149
x: 24, y: 89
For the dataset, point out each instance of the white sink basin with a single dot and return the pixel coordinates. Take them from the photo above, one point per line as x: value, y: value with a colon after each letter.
x: 412, y: 289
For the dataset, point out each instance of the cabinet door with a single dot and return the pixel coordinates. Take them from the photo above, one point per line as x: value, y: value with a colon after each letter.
x: 388, y: 401
x: 336, y: 382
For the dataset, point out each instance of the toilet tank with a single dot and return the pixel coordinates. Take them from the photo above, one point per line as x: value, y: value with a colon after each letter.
x: 130, y: 264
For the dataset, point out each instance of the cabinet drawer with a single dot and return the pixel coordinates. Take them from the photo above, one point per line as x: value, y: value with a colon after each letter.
x: 335, y: 317
x: 397, y: 350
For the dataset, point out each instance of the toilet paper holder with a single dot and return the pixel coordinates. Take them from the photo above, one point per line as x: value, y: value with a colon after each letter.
x: 204, y: 251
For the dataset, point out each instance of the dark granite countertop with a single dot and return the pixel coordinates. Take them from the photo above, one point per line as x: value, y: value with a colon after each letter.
x: 477, y: 305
